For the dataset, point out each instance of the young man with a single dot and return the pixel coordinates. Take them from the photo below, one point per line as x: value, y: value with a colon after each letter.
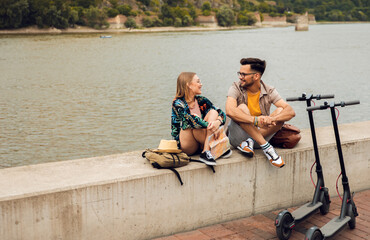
x: 248, y: 105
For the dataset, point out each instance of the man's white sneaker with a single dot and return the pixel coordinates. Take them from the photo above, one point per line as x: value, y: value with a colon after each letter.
x: 247, y: 147
x: 273, y: 157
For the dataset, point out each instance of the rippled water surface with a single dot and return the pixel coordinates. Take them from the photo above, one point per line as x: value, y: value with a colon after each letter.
x: 73, y: 96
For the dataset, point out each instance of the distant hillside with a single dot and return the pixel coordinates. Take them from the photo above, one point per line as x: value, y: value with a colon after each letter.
x: 155, y: 13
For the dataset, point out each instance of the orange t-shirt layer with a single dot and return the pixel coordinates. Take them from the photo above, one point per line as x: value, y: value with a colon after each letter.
x: 254, y: 104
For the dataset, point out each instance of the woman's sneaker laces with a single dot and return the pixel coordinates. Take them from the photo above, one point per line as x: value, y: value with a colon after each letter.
x: 272, y: 155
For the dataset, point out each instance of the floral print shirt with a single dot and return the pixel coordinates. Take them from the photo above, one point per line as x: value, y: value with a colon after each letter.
x: 182, y: 118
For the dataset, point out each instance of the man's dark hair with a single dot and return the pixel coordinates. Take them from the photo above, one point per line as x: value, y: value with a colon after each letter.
x: 256, y: 64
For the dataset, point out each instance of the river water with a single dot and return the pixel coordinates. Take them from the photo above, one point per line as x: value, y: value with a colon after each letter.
x: 66, y: 97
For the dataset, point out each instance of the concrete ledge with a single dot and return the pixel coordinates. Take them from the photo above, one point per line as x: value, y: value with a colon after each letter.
x: 123, y: 197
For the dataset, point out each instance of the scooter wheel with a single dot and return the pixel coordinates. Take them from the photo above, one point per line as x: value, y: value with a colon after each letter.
x: 284, y: 230
x: 352, y: 222
x: 325, y: 199
x: 314, y: 233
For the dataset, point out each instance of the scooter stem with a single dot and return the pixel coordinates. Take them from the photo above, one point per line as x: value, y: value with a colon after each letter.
x: 339, y: 147
x: 320, y: 177
x: 346, y: 190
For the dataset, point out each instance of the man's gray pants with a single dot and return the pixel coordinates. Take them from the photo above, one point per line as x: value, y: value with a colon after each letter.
x: 237, y: 135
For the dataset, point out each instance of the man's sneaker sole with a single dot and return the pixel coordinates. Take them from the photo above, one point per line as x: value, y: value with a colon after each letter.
x: 227, y: 154
x: 207, y: 162
x: 277, y: 165
x: 249, y: 154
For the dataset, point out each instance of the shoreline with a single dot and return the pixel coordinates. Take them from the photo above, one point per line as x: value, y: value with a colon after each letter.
x: 82, y: 30
x: 33, y: 30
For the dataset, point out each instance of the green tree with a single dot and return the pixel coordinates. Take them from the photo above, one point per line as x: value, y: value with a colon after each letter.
x: 47, y: 13
x: 178, y: 22
x: 167, y: 22
x: 130, y: 23
x: 167, y: 11
x: 346, y: 5
x: 206, y: 13
x: 245, y: 18
x: 147, y: 22
x: 112, y: 12
x: 73, y: 18
x: 96, y: 18
x: 359, y: 15
x: 320, y: 12
x: 86, y: 3
x: 246, y: 5
x: 65, y: 13
x: 145, y: 2
x: 192, y: 11
x: 264, y: 7
x: 157, y: 22
x: 187, y: 20
x: 13, y: 13
x: 124, y: 9
x: 81, y: 17
x: 299, y: 6
x: 114, y: 3
x: 174, y: 3
x: 206, y: 8
x: 336, y: 15
x: 225, y: 16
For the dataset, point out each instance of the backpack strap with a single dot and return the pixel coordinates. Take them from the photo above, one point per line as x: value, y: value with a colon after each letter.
x: 156, y: 165
x: 211, y: 167
x: 174, y: 161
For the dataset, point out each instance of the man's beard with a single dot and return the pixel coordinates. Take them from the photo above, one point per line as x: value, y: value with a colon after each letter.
x: 245, y: 85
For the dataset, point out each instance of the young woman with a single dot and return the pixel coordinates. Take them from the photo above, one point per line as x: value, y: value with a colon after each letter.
x: 194, y: 118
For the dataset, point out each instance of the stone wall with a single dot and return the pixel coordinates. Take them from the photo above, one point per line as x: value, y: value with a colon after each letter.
x: 123, y: 197
x: 273, y: 21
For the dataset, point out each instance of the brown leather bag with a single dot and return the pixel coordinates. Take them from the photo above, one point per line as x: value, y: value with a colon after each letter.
x: 287, y: 137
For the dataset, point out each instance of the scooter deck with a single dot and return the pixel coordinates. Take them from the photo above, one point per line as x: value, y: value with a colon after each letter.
x: 334, y: 226
x: 305, y: 210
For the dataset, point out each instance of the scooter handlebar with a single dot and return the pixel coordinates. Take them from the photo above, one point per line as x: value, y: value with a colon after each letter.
x: 353, y: 102
x: 327, y: 105
x: 325, y: 96
x: 291, y: 99
x: 310, y: 96
x: 317, y: 107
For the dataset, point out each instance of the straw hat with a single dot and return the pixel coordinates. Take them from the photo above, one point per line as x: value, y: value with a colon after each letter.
x: 168, y: 146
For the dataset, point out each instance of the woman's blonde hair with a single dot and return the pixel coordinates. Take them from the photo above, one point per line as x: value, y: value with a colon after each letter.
x: 182, y: 84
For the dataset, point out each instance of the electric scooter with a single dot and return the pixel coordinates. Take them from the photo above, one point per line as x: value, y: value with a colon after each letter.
x: 286, y: 221
x: 348, y: 211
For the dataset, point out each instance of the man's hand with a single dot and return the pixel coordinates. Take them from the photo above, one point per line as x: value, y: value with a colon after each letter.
x: 266, y: 121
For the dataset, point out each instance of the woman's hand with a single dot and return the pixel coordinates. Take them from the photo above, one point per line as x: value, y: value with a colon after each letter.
x: 214, y: 125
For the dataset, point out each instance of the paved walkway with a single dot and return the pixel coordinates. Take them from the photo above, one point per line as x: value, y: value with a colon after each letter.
x: 262, y: 226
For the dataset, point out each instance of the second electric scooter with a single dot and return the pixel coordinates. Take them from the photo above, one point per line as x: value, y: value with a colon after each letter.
x: 348, y: 211
x: 286, y: 221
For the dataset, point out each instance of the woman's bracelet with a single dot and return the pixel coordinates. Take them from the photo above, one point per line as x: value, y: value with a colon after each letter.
x: 219, y: 120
